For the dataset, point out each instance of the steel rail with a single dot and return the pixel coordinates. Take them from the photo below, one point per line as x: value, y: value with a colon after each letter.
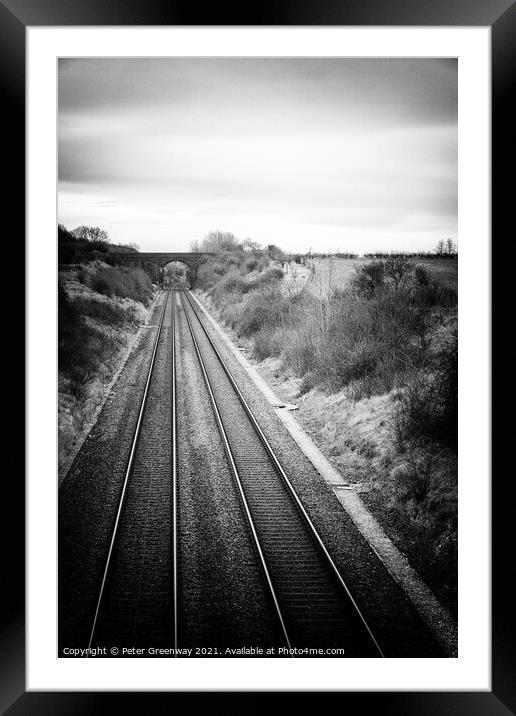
x: 174, y: 472
x: 128, y: 469
x: 285, y: 479
x: 236, y: 476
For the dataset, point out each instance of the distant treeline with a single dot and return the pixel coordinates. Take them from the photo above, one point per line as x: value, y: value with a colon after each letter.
x: 379, y: 255
x: 411, y: 255
x: 444, y: 250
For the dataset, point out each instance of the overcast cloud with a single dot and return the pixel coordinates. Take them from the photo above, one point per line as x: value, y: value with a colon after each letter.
x: 324, y: 154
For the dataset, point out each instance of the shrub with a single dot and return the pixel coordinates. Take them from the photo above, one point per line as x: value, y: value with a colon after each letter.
x: 273, y: 273
x: 428, y: 406
x: 353, y: 360
x: 421, y: 276
x: 123, y: 282
x: 104, y: 311
x: 302, y: 346
x: 206, y: 276
x: 141, y: 285
x: 399, y: 270
x: 447, y: 297
x: 230, y: 283
x: 80, y: 346
x: 235, y: 270
x: 369, y: 279
x: 264, y: 306
x: 267, y: 342
x: 231, y: 309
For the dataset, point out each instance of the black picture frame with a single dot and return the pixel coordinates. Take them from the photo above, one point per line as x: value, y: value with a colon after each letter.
x: 500, y: 15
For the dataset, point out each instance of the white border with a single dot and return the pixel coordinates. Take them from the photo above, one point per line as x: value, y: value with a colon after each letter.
x: 471, y: 670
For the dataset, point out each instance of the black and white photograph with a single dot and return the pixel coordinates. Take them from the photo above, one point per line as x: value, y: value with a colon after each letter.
x: 257, y: 357
x: 259, y: 248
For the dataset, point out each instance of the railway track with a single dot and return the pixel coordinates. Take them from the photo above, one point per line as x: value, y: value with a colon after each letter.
x: 140, y: 533
x: 313, y: 605
x: 139, y: 592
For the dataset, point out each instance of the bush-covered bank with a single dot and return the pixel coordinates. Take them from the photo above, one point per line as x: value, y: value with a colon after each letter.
x: 382, y: 333
x: 373, y: 368
x: 100, y: 309
x: 117, y: 281
x: 90, y: 325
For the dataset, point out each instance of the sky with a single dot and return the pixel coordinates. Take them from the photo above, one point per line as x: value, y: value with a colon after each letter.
x: 309, y: 154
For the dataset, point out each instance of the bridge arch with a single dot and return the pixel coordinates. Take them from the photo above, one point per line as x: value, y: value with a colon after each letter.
x: 176, y: 273
x: 191, y: 259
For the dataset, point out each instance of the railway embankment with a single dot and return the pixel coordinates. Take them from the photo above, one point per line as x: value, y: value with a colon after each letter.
x: 102, y: 312
x: 370, y: 366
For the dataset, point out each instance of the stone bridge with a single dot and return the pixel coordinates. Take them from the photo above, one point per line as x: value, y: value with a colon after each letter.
x: 191, y: 259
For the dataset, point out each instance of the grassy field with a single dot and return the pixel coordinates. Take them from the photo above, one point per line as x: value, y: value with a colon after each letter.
x: 333, y: 273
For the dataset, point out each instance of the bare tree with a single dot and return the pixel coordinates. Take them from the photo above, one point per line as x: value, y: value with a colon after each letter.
x: 440, y: 248
x: 91, y: 233
x: 218, y: 241
x: 398, y: 269
x: 251, y: 245
x: 451, y: 248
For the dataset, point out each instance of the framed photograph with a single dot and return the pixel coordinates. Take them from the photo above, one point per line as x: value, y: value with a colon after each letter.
x: 258, y: 283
